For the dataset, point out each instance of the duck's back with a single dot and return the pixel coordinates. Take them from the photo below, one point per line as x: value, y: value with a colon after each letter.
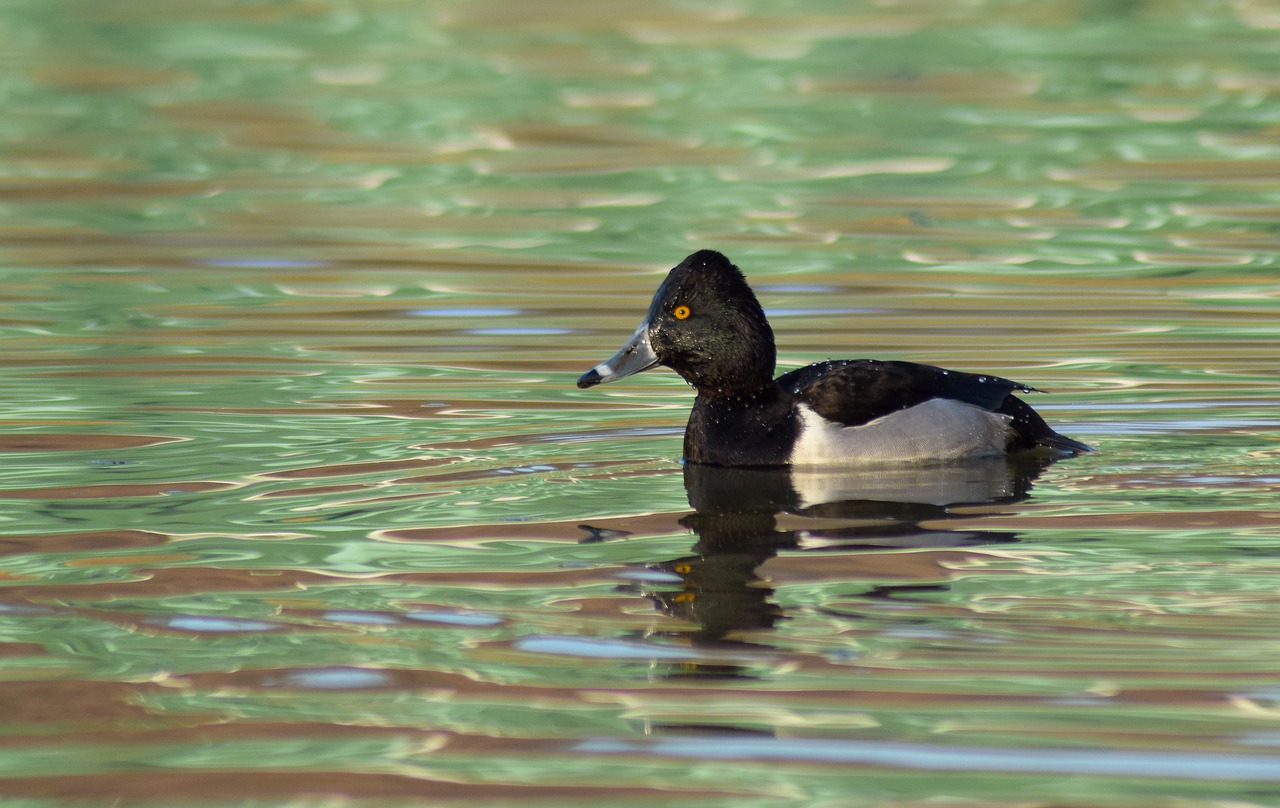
x: 866, y: 410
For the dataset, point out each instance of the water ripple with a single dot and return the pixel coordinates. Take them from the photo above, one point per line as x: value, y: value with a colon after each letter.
x: 1112, y: 762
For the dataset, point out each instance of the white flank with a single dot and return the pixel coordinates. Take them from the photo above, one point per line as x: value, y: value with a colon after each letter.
x: 938, y: 429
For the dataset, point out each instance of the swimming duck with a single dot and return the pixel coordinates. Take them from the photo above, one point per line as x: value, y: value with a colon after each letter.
x: 706, y: 324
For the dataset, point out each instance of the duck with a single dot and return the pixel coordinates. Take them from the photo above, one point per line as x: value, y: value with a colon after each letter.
x: 706, y: 324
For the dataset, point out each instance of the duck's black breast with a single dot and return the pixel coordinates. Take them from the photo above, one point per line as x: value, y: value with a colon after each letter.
x: 751, y: 430
x: 853, y: 392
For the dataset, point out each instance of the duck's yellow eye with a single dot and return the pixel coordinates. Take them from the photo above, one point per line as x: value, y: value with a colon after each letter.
x: 681, y: 312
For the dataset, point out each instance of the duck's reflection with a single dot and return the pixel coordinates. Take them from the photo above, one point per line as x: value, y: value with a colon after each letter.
x: 744, y: 517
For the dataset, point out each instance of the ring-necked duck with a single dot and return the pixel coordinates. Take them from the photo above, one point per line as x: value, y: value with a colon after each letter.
x: 706, y: 324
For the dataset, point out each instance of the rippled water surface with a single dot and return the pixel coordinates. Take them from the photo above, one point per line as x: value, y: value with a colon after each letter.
x: 300, y: 505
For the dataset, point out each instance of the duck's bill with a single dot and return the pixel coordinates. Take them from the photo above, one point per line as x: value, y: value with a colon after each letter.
x: 636, y: 356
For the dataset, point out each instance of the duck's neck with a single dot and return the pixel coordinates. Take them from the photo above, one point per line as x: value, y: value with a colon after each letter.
x: 744, y: 427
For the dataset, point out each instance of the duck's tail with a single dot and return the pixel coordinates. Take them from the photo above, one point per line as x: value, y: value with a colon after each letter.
x: 1030, y: 430
x: 1061, y: 443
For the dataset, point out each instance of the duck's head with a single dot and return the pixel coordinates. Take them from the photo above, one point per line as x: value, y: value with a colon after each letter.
x: 705, y: 324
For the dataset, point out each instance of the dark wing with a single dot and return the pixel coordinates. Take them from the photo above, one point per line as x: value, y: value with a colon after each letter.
x: 855, y: 391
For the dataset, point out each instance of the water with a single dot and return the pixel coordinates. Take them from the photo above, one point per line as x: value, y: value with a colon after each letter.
x: 300, y: 504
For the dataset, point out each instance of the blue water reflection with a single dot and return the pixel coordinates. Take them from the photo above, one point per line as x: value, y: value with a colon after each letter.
x: 1171, y: 764
x: 217, y: 625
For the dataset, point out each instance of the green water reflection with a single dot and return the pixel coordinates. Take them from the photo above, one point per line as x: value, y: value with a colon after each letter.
x: 300, y: 503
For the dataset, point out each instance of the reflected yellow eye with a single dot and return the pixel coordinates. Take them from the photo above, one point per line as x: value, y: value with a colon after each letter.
x: 681, y: 312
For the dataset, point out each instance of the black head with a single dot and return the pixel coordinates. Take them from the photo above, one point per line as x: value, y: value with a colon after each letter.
x: 705, y: 324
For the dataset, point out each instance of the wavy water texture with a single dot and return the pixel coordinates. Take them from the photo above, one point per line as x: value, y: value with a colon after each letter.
x: 301, y: 506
